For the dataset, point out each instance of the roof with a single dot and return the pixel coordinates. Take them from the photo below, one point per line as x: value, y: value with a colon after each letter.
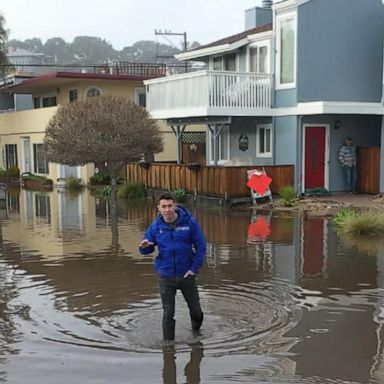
x: 54, y: 79
x: 225, y: 42
x: 237, y: 37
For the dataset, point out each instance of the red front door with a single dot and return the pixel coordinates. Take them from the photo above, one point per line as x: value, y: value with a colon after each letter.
x: 314, y: 157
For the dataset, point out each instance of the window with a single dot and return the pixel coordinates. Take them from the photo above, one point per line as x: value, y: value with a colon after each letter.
x: 286, y: 48
x: 48, y: 101
x: 40, y: 163
x: 10, y: 155
x: 217, y: 63
x: 93, y: 91
x: 264, y: 141
x: 259, y: 58
x: 36, y: 102
x: 224, y: 141
x: 72, y: 95
x: 140, y: 97
x: 224, y: 63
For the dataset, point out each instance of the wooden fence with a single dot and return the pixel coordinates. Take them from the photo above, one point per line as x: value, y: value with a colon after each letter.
x: 368, y: 169
x: 224, y: 182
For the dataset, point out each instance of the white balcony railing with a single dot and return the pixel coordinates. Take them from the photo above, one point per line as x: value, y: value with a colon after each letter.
x: 207, y: 93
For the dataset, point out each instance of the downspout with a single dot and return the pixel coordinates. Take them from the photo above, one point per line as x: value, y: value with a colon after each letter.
x: 299, y: 180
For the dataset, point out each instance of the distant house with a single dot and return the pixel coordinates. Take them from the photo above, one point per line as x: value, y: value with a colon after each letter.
x: 22, y: 132
x: 24, y: 60
x: 286, y: 91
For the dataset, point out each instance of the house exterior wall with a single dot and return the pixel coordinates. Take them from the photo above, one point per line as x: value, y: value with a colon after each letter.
x: 340, y: 50
x: 247, y: 126
x: 32, y: 123
x: 365, y: 131
x: 121, y: 88
x: 287, y: 145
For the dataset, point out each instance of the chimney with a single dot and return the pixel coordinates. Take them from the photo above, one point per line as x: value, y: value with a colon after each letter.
x: 267, y: 4
x: 257, y: 16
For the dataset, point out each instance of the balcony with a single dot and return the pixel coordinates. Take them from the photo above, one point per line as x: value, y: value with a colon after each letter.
x: 210, y: 93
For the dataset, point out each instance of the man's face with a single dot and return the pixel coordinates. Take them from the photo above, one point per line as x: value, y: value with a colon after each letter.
x: 348, y: 142
x: 167, y: 209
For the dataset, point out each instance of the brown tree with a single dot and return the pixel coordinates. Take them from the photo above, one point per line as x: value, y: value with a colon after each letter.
x: 101, y: 129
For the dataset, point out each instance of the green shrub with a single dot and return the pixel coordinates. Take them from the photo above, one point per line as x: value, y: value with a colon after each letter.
x: 132, y: 191
x: 288, y: 194
x: 3, y: 173
x: 13, y: 171
x: 343, y: 215
x: 100, y: 178
x: 38, y: 178
x: 73, y: 183
x: 180, y: 195
x: 366, y: 224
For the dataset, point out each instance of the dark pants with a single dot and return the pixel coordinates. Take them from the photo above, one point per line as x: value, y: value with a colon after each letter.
x: 351, y: 178
x: 168, y: 287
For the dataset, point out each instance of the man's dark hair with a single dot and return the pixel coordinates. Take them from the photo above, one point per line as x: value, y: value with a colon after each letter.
x: 166, y: 196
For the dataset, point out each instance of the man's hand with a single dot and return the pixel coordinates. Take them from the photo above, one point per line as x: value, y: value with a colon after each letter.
x: 146, y: 243
x: 189, y: 273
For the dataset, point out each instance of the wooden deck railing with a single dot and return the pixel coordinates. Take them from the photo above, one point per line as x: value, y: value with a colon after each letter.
x: 205, y: 93
x: 224, y: 182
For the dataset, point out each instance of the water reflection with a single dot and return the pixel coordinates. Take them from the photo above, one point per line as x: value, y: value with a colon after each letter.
x: 191, y: 369
x: 285, y: 299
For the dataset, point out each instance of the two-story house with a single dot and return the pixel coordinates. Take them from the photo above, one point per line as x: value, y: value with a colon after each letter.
x: 302, y: 76
x: 22, y: 131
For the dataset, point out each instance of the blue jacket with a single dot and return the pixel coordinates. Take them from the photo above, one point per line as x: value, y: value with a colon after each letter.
x: 181, y: 248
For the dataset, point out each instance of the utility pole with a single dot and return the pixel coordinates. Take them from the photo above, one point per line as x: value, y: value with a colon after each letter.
x: 169, y: 33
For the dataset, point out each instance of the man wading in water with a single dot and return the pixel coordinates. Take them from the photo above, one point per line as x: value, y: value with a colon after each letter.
x: 182, y: 246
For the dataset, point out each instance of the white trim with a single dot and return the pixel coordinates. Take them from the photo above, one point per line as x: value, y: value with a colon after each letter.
x: 25, y: 144
x: 326, y: 154
x: 258, y: 153
x: 223, y: 48
x: 267, y: 35
x: 258, y: 44
x: 331, y: 107
x: 225, y: 130
x: 279, y: 20
x: 217, y: 49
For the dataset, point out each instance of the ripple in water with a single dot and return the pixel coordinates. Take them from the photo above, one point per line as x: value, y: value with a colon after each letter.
x: 250, y: 318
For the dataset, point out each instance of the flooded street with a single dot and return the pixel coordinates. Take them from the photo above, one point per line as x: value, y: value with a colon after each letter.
x: 285, y: 300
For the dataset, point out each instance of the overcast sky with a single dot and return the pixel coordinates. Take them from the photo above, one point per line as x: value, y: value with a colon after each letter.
x: 123, y: 22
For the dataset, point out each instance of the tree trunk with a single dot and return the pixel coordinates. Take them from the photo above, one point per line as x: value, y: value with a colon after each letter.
x: 114, y: 227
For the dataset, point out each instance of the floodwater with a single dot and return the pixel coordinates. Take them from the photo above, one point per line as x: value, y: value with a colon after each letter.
x: 285, y: 299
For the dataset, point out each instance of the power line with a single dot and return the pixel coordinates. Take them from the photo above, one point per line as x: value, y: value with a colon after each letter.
x: 169, y: 33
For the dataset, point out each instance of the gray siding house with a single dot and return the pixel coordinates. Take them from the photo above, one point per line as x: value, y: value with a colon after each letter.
x: 304, y: 75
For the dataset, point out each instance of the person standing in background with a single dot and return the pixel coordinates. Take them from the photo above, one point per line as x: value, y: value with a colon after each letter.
x: 347, y: 158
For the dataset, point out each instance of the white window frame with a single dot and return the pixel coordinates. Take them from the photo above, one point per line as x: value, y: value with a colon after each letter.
x: 35, y: 148
x: 257, y: 45
x: 89, y: 88
x: 280, y: 19
x: 224, y: 131
x: 138, y: 91
x: 265, y: 127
